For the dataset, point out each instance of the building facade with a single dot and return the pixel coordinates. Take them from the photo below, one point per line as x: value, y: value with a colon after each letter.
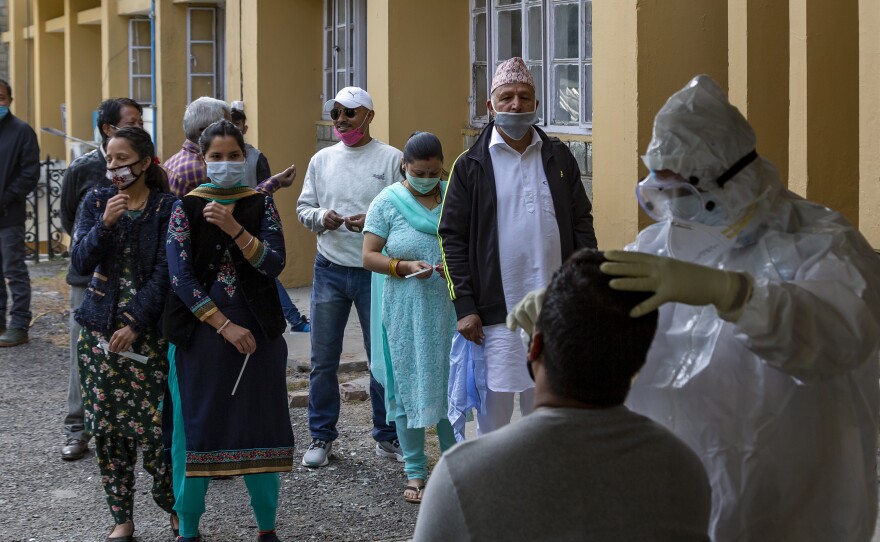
x: 803, y: 72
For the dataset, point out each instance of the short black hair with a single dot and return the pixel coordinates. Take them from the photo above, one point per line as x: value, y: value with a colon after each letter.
x: 6, y: 84
x: 219, y: 129
x: 110, y: 112
x: 592, y: 348
x: 237, y: 115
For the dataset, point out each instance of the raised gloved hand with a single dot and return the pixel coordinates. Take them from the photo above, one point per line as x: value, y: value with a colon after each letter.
x: 677, y: 281
x: 526, y: 312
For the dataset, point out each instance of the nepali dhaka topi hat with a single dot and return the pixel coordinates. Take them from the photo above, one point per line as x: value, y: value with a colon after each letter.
x: 512, y: 70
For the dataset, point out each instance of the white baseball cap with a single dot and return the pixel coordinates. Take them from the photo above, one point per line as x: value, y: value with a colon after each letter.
x: 350, y: 97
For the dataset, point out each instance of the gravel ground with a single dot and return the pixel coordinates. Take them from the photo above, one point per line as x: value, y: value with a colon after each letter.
x: 43, y: 499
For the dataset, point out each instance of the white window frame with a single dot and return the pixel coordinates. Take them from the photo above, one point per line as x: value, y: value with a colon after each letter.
x: 543, y: 71
x: 355, y: 31
x: 217, y: 42
x: 135, y: 27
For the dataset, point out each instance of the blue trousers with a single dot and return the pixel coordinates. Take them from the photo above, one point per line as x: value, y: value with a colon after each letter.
x: 291, y: 313
x: 334, y: 289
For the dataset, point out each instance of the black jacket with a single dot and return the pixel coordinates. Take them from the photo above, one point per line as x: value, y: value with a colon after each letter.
x: 469, y: 229
x: 86, y: 172
x: 96, y: 251
x: 19, y: 168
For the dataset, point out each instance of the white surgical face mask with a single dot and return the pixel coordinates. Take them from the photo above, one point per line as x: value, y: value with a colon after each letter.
x: 226, y: 174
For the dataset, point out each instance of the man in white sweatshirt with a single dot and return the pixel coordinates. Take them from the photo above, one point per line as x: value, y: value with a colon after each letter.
x: 339, y: 186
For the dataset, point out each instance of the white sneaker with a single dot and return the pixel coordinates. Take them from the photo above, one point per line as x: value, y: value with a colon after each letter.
x: 390, y: 449
x: 318, y: 454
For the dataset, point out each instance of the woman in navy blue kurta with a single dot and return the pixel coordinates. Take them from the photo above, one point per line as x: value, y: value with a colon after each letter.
x: 215, y: 431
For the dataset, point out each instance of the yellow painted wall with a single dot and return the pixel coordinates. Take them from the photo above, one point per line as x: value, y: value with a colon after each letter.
x: 869, y: 121
x: 824, y: 116
x: 171, y: 58
x: 418, y: 67
x: 114, y: 51
x: 758, y: 38
x: 282, y: 94
x: 82, y: 81
x: 49, y: 77
x: 644, y: 50
x: 20, y: 62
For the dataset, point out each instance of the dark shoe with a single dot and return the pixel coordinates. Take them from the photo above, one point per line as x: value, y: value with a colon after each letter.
x: 175, y: 531
x: 127, y: 538
x: 189, y: 539
x: 13, y: 337
x: 74, y: 449
x: 268, y: 537
x: 302, y: 326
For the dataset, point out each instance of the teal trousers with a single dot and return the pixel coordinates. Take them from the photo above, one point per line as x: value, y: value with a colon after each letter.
x: 412, y: 442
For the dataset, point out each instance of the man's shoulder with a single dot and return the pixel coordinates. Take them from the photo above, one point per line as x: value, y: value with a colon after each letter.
x: 380, y: 147
x: 87, y: 161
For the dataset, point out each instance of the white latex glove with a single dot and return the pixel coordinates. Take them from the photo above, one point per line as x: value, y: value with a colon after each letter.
x: 677, y: 281
x: 526, y: 312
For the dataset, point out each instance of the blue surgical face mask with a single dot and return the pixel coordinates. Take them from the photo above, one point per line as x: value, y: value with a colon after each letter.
x: 226, y: 174
x: 422, y: 185
x: 4, y: 110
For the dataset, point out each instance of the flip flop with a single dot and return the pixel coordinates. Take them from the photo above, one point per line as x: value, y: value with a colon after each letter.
x: 418, y: 491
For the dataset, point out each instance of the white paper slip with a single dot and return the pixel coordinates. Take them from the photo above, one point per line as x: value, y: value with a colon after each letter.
x: 243, y: 365
x: 128, y: 354
x: 425, y: 270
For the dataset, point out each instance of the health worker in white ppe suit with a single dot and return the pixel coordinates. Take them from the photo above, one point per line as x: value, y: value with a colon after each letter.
x: 765, y: 359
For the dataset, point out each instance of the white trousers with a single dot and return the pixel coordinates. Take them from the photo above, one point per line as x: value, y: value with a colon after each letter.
x: 499, y: 409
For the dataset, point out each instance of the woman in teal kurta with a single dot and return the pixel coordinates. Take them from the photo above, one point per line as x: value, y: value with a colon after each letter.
x: 413, y: 319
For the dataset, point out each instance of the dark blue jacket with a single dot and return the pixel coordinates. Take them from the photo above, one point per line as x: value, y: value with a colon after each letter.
x: 19, y: 168
x: 97, y: 251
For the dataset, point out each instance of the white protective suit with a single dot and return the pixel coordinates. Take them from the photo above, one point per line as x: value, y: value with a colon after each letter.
x: 782, y: 405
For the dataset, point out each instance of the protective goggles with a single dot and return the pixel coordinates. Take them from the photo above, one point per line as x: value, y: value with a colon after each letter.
x: 664, y: 199
x: 349, y: 112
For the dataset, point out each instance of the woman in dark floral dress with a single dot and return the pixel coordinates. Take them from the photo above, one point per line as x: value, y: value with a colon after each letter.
x: 228, y: 357
x: 119, y: 238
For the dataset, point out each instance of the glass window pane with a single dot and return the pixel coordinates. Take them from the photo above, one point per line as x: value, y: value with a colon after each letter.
x: 588, y: 30
x: 587, y: 92
x: 328, y: 49
x: 480, y: 37
x: 202, y: 58
x: 350, y: 54
x: 538, y: 75
x: 201, y: 24
x: 509, y: 34
x: 341, y: 11
x: 506, y: 2
x: 202, y: 86
x: 565, y: 108
x: 479, y: 4
x: 340, y: 81
x: 340, y: 47
x: 328, y: 85
x: 565, y: 31
x: 142, y: 90
x: 536, y: 33
x: 328, y: 12
x: 480, y: 91
x: 140, y: 33
x: 141, y: 64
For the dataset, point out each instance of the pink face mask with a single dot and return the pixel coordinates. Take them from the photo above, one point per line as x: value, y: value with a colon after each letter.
x: 351, y: 137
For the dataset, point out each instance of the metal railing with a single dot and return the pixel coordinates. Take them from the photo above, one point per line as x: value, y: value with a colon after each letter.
x: 44, y: 234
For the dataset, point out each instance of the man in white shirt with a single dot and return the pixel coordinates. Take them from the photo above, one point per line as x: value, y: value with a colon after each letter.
x: 514, y: 210
x: 338, y: 188
x: 613, y: 475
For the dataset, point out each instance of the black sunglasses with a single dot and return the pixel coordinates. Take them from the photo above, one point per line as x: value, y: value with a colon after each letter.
x: 349, y: 112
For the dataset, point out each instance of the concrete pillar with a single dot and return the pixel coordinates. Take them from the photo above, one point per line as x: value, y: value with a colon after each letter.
x: 282, y: 95
x: 21, y: 61
x: 869, y: 121
x: 644, y: 50
x: 758, y: 72
x: 171, y: 59
x: 399, y: 74
x: 49, y: 63
x: 82, y: 81
x: 114, y: 51
x: 824, y: 116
